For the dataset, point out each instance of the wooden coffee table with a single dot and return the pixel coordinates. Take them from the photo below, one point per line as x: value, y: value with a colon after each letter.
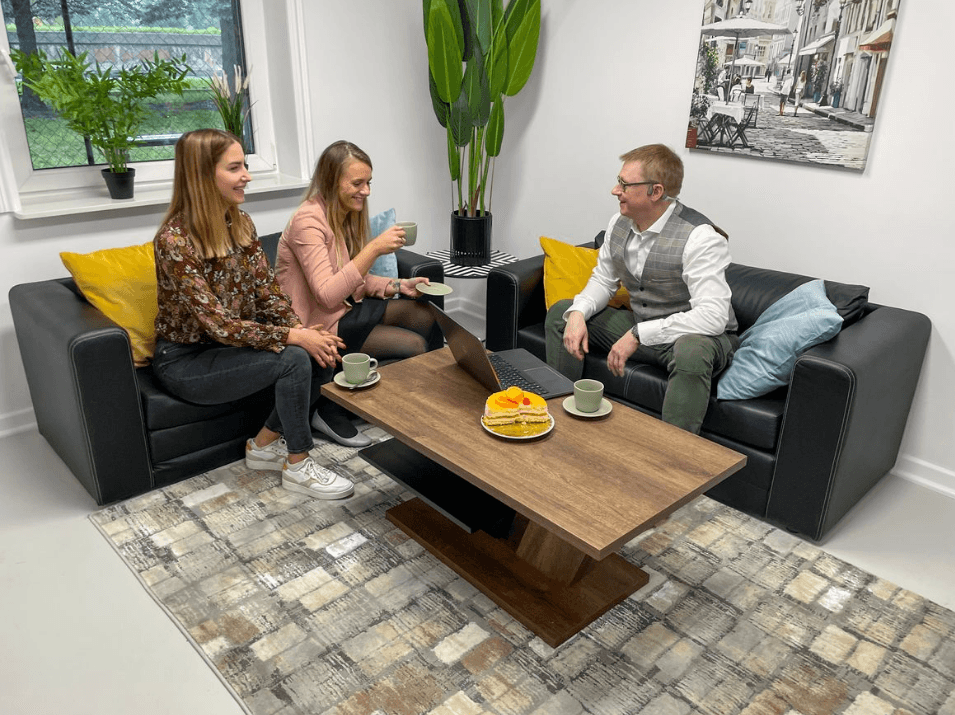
x: 577, y: 494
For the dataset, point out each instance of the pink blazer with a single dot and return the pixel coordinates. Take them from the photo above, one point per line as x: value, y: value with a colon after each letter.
x: 313, y: 267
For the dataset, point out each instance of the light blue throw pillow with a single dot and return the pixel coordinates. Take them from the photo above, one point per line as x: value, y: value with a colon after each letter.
x: 386, y: 265
x: 768, y: 350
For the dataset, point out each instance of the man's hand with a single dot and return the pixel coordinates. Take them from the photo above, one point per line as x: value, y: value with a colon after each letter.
x: 622, y: 349
x: 575, y: 335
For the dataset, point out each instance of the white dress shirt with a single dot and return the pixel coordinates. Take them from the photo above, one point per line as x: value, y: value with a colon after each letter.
x: 705, y: 258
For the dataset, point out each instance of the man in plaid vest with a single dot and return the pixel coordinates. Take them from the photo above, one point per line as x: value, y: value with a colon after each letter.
x: 672, y: 261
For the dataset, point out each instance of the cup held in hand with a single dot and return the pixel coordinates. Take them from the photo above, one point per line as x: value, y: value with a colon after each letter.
x: 357, y: 367
x: 588, y: 394
x: 411, y: 231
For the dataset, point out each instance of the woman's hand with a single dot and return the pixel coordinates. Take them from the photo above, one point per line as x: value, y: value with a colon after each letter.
x: 389, y: 241
x: 322, y: 345
x: 407, y: 286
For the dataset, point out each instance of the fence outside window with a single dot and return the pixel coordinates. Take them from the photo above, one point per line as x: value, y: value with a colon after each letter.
x: 117, y: 33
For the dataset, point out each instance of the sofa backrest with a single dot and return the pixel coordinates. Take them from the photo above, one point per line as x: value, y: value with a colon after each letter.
x: 270, y: 244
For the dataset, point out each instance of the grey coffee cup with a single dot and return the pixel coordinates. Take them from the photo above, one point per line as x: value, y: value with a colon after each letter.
x: 411, y: 231
x: 588, y: 394
x: 358, y: 367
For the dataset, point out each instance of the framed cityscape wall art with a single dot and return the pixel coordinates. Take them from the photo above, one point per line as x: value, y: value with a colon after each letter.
x: 794, y: 80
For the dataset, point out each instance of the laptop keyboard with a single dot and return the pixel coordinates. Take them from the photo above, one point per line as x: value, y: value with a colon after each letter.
x: 510, y: 377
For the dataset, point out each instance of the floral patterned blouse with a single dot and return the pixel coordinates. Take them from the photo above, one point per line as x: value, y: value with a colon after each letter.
x: 233, y: 300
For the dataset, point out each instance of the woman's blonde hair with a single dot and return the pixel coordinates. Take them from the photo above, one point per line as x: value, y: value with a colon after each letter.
x: 215, y: 226
x: 350, y: 226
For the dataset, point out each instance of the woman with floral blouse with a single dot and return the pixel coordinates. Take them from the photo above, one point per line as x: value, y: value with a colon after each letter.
x: 225, y: 329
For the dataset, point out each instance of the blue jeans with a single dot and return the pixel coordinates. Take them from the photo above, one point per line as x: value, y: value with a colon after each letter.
x: 212, y: 373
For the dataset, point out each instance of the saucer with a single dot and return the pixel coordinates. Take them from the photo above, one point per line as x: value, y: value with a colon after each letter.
x: 604, y: 409
x: 340, y: 380
x: 434, y: 288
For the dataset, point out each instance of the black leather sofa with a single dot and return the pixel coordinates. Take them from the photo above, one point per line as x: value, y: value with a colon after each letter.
x: 109, y: 421
x: 813, y: 448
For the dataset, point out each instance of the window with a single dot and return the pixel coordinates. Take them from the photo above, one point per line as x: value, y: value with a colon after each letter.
x: 23, y: 182
x: 117, y: 33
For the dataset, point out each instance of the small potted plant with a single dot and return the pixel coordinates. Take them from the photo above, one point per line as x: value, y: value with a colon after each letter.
x: 232, y: 102
x: 835, y: 91
x: 109, y: 106
x: 699, y: 106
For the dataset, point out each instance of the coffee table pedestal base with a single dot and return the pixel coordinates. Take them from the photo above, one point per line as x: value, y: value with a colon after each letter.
x: 577, y: 592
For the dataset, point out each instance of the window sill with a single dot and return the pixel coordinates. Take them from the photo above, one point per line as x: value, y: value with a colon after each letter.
x: 54, y: 203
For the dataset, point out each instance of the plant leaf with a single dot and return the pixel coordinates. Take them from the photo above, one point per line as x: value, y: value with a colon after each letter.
x: 459, y: 121
x: 495, y: 128
x: 441, y: 109
x: 476, y: 89
x: 444, y: 52
x: 522, y: 50
x: 479, y: 17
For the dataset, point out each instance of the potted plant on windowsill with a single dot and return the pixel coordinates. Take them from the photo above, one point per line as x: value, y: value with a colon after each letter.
x: 107, y: 106
x: 478, y: 53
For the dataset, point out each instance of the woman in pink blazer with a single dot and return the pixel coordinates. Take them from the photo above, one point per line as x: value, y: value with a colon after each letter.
x: 323, y: 260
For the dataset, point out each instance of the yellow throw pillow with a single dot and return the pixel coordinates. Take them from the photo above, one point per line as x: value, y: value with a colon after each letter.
x: 567, y: 269
x: 121, y: 283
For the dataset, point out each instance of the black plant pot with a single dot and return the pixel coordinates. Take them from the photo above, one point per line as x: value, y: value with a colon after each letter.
x: 470, y: 239
x: 120, y: 184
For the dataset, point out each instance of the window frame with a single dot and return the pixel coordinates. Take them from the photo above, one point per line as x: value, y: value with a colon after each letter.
x: 29, y: 192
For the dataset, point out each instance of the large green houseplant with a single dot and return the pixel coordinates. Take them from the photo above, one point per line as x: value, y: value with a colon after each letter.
x: 478, y: 53
x: 107, y: 105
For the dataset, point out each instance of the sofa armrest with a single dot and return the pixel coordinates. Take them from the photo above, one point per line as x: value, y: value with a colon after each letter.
x: 515, y: 299
x: 845, y: 416
x: 83, y: 385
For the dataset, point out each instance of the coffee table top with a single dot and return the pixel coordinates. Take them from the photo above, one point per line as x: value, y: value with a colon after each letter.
x: 596, y: 483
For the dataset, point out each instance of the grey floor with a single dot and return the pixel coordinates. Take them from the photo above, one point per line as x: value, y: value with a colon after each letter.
x: 79, y: 635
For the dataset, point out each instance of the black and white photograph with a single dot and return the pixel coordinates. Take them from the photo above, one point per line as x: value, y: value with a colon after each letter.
x: 793, y: 80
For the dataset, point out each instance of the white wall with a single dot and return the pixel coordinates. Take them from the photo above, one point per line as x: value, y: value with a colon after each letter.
x: 612, y: 75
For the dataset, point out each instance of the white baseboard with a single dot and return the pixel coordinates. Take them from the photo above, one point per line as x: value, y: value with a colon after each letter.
x: 15, y: 422
x: 925, y: 474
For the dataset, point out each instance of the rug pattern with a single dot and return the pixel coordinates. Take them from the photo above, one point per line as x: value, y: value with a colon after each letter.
x: 307, y: 606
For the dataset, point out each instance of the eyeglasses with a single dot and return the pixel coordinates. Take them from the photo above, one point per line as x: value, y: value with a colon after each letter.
x: 624, y: 185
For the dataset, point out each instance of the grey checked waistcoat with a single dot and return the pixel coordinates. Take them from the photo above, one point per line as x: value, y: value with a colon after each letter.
x: 660, y: 291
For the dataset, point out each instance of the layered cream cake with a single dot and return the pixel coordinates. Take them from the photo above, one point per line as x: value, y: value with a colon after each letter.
x: 514, y: 406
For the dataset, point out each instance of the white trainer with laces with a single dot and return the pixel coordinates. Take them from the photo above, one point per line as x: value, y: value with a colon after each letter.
x: 307, y: 477
x: 272, y: 456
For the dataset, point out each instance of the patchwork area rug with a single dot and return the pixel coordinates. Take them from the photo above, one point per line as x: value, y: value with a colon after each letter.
x: 306, y: 606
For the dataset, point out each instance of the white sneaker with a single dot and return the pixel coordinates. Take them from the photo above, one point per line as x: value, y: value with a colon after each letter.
x: 272, y: 456
x: 307, y: 477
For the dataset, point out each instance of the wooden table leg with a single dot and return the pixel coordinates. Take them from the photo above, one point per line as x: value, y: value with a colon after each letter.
x: 545, y: 583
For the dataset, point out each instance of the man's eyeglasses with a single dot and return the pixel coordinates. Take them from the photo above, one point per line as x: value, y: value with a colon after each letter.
x: 624, y: 185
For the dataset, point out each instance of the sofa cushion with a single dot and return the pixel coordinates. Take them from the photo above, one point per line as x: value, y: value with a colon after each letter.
x: 386, y: 265
x: 567, y: 269
x: 163, y: 411
x: 769, y: 348
x: 121, y: 283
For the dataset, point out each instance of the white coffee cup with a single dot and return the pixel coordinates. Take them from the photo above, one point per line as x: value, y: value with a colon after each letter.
x: 358, y: 367
x: 411, y: 231
x: 588, y: 394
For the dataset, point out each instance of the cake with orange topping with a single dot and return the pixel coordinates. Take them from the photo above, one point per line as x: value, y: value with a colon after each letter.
x: 514, y: 406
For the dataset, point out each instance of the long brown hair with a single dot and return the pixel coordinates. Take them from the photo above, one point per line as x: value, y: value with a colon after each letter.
x: 350, y: 226
x: 215, y: 226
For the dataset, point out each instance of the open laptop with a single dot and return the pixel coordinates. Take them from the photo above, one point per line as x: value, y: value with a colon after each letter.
x: 510, y: 367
